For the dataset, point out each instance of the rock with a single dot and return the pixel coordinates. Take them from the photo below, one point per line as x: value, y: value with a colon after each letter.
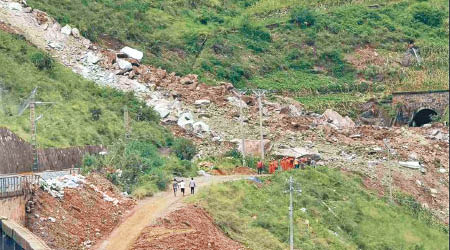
x: 124, y: 65
x: 253, y: 147
x: 163, y: 112
x: 27, y: 10
x: 442, y: 170
x: 202, y: 102
x: 55, y: 45
x: 236, y: 102
x: 15, y: 6
x: 76, y: 33
x: 298, y: 152
x: 51, y: 219
x: 133, y: 53
x: 413, y: 157
x: 410, y: 164
x: 66, y: 30
x: 419, y: 183
x: 91, y: 58
x: 185, y: 119
x: 428, y: 125
x: 334, y: 118
x: 200, y: 127
x: 433, y: 191
x: 291, y: 111
x: 202, y: 173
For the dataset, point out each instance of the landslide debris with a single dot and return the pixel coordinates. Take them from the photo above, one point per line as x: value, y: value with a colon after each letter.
x: 81, y: 217
x: 189, y: 227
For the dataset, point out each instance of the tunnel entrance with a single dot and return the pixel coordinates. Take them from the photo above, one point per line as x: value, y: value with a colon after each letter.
x: 422, y: 117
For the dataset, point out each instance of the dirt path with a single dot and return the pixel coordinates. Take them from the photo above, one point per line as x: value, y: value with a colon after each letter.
x: 148, y: 210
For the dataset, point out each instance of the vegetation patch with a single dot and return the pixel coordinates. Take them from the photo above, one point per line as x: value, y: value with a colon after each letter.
x: 332, y: 211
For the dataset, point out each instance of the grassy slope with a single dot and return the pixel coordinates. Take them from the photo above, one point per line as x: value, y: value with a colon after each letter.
x: 252, y: 43
x: 69, y: 122
x: 257, y: 216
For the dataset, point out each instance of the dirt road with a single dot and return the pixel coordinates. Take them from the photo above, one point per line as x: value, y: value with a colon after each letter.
x: 148, y: 210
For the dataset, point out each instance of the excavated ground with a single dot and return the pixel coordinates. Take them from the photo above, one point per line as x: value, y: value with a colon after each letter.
x: 189, y: 227
x: 81, y: 218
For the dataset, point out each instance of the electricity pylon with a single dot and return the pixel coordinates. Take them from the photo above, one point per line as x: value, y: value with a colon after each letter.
x: 31, y: 103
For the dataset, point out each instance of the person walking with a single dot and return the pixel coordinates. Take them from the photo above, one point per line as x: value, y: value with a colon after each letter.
x: 260, y: 167
x: 192, y: 185
x: 296, y: 163
x: 182, y: 184
x: 175, y: 186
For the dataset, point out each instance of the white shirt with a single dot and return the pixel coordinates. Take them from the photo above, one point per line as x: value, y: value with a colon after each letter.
x: 181, y: 184
x: 192, y: 183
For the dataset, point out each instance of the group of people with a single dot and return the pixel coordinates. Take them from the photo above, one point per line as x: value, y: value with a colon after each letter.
x: 181, y: 184
x: 286, y: 163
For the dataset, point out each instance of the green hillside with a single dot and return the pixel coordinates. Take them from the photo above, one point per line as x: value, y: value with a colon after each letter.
x: 83, y: 114
x: 333, y: 211
x: 301, y: 47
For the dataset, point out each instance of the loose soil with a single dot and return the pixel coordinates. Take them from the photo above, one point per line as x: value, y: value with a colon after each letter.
x: 80, y: 218
x: 189, y: 227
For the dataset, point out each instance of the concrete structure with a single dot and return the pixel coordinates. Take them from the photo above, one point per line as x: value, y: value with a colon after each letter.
x: 16, y: 237
x: 416, y: 108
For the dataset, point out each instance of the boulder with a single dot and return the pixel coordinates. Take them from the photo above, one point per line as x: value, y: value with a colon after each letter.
x: 330, y: 117
x: 236, y: 102
x: 76, y: 33
x: 124, y: 65
x: 162, y: 111
x: 133, y: 53
x: 91, y: 58
x: 298, y: 152
x: 15, y: 6
x: 291, y: 111
x: 202, y: 102
x: 200, y: 127
x: 28, y: 10
x: 66, y: 30
x: 185, y: 120
x: 253, y: 147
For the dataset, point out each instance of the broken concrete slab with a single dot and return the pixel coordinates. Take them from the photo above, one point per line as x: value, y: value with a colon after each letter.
x: 410, y: 164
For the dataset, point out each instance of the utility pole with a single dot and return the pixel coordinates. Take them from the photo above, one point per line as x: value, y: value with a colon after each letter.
x: 291, y: 212
x: 260, y: 93
x: 291, y: 219
x: 126, y: 120
x: 31, y: 103
x: 389, y: 152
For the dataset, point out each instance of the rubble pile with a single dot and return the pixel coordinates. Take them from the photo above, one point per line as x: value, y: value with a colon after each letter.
x: 88, y: 211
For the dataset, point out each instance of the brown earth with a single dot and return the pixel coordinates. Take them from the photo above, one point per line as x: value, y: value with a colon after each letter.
x: 80, y: 218
x: 189, y: 227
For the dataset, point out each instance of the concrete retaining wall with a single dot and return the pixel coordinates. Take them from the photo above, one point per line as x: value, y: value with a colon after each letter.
x: 14, y: 236
x: 13, y: 208
x: 16, y: 157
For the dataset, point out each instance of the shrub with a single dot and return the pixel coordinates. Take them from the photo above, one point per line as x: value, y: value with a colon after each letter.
x: 255, y: 32
x: 428, y: 15
x: 303, y: 16
x: 184, y: 149
x: 236, y: 154
x: 42, y: 61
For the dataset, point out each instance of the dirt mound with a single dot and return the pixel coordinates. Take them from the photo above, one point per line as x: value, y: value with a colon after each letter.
x: 244, y: 170
x: 190, y: 227
x: 81, y: 218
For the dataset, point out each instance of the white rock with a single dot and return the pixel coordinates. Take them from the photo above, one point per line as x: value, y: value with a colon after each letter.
x: 410, y: 164
x: 200, y: 127
x: 91, y: 58
x: 442, y: 170
x: 27, y: 10
x: 66, y: 30
x: 419, y: 183
x: 236, y: 102
x: 413, y: 157
x: 185, y: 119
x: 76, y: 33
x: 15, y: 6
x: 55, y: 45
x: 123, y: 64
x: 203, y: 102
x: 163, y: 112
x: 52, y: 219
x: 433, y: 191
x: 133, y: 53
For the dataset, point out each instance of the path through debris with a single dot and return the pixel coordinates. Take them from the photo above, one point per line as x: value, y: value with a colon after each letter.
x: 148, y: 210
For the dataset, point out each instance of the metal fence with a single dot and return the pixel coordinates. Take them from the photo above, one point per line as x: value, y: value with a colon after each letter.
x: 17, y: 185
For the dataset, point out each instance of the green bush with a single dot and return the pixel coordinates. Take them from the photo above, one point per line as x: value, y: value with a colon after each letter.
x: 42, y: 61
x: 253, y: 31
x: 303, y: 17
x: 425, y: 13
x: 184, y: 149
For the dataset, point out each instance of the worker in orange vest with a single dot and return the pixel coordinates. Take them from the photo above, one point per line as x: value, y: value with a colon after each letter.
x: 260, y: 167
